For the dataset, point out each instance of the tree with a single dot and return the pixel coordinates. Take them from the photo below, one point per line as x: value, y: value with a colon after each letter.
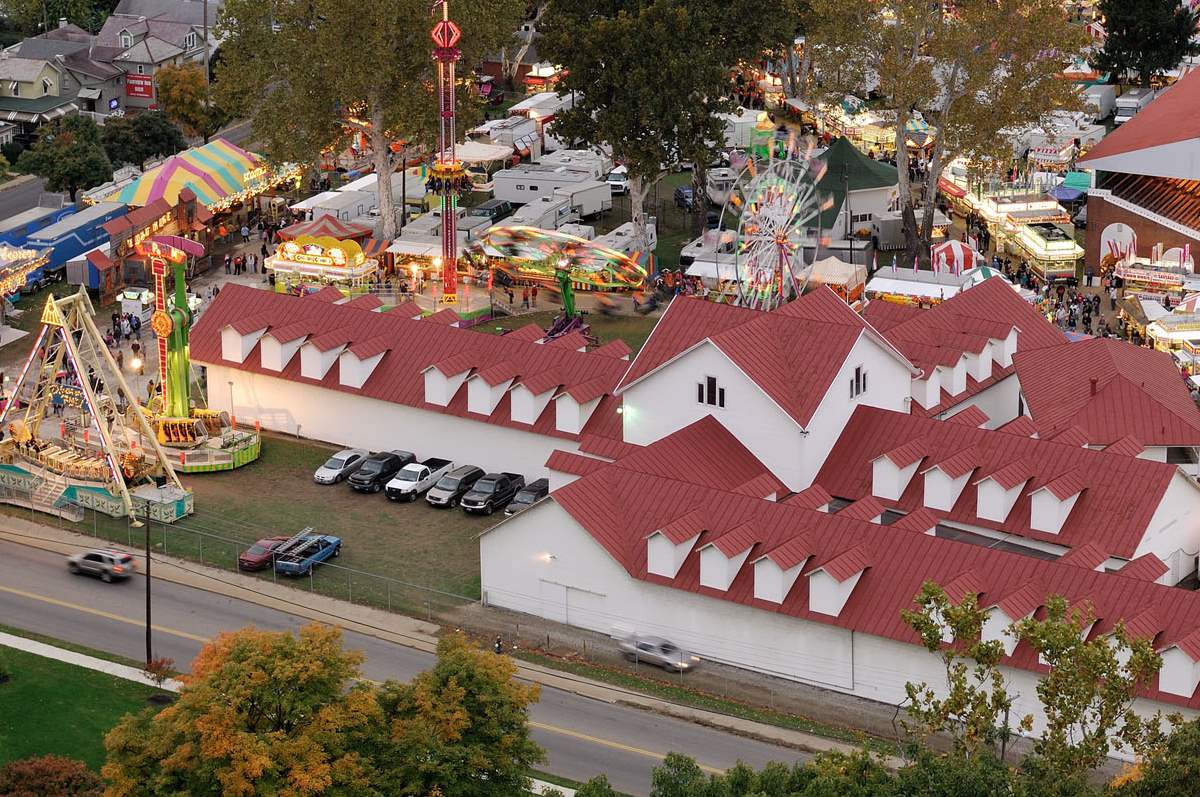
x: 651, y: 74
x: 596, y: 787
x: 185, y: 98
x: 49, y: 776
x: 121, y: 142
x: 287, y: 68
x: 1173, y: 768
x: 677, y: 776
x: 511, y: 67
x: 69, y: 155
x: 1146, y: 37
x: 158, y: 136
x: 262, y: 713
x: 459, y: 729
x: 973, y: 71
x: 956, y: 774
x: 36, y: 16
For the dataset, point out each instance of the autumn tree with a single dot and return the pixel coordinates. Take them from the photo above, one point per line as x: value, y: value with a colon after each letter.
x: 69, y: 155
x: 972, y: 69
x: 262, y: 713
x: 650, y: 75
x: 459, y: 729
x: 295, y: 68
x: 186, y: 99
x: 49, y: 776
x: 1145, y: 37
x: 1172, y: 768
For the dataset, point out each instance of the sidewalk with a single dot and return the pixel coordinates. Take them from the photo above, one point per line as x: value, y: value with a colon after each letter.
x: 400, y: 630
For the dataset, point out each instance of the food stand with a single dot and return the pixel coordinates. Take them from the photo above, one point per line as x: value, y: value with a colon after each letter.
x: 1176, y: 332
x: 307, y: 261
x: 1049, y: 249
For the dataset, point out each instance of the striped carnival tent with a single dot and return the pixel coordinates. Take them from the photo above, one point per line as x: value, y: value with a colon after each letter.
x: 218, y: 172
x: 954, y: 257
x: 326, y: 226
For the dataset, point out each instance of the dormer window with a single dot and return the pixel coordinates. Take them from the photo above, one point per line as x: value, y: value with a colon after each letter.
x: 189, y: 41
x: 708, y: 392
x: 47, y: 86
x: 858, y: 385
x: 126, y: 39
x: 15, y: 88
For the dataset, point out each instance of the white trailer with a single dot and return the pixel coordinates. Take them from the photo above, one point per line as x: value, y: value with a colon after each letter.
x: 1132, y: 101
x: 345, y: 205
x: 587, y: 199
x: 594, y: 163
x: 621, y: 239
x: 739, y: 127
x: 545, y: 213
x: 1102, y: 99
x: 529, y: 181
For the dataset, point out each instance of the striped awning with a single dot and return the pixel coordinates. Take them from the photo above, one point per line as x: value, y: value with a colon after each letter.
x: 373, y: 248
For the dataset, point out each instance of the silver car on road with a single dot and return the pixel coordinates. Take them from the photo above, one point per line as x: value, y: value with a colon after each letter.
x: 657, y: 651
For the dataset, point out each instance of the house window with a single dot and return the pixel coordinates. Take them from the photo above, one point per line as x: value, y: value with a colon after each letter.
x: 126, y: 39
x: 520, y: 187
x: 858, y: 385
x: 708, y: 393
x: 47, y: 86
x: 15, y: 88
x: 533, y: 188
x: 141, y: 69
x: 189, y: 41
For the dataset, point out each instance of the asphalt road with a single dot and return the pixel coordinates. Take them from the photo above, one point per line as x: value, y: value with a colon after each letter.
x: 22, y: 197
x: 582, y: 737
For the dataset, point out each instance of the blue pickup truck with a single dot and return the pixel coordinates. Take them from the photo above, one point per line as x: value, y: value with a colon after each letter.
x: 305, y: 553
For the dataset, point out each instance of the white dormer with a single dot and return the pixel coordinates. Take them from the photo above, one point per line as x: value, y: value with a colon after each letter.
x: 571, y: 416
x: 665, y: 554
x: 1180, y: 673
x: 944, y: 482
x: 927, y: 391
x: 354, y: 371
x: 1016, y: 606
x: 1051, y: 504
x: 1003, y: 350
x: 316, y: 359
x: 238, y: 340
x: 891, y: 472
x: 979, y: 366
x: 831, y: 584
x: 528, y: 406
x: 777, y: 571
x: 275, y: 352
x: 954, y: 379
x: 484, y: 390
x: 443, y: 379
x: 996, y: 622
x: 996, y: 494
x: 718, y: 568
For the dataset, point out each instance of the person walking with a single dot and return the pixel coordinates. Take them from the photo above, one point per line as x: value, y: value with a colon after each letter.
x: 264, y: 251
x: 533, y: 297
x: 525, y: 298
x: 245, y: 231
x: 120, y: 359
x: 228, y: 263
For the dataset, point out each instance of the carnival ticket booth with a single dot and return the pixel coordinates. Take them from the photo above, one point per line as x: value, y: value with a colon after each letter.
x: 1050, y: 250
x: 307, y: 262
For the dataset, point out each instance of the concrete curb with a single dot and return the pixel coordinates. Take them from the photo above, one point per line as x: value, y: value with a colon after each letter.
x: 401, y: 630
x: 88, y: 662
x: 17, y: 181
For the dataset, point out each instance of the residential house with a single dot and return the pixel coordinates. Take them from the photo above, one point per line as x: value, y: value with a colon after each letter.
x: 140, y: 46
x: 99, y: 84
x: 34, y: 91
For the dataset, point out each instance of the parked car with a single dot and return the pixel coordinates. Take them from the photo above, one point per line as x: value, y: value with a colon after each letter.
x: 618, y: 180
x: 417, y: 477
x: 494, y: 210
x: 685, y: 197
x: 258, y: 556
x: 493, y: 491
x: 659, y: 652
x: 339, y: 466
x: 109, y: 565
x: 450, y: 489
x: 377, y: 469
x: 308, y: 552
x: 529, y: 495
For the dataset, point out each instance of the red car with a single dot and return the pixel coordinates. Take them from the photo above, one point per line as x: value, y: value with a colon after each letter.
x: 258, y: 556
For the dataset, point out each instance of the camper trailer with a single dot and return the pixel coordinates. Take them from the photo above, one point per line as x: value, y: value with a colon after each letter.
x: 529, y: 181
x: 594, y: 163
x: 1132, y: 101
x: 1102, y: 99
x: 545, y: 213
x: 621, y: 239
x: 587, y: 199
x: 518, y: 132
x: 739, y: 127
x: 719, y: 183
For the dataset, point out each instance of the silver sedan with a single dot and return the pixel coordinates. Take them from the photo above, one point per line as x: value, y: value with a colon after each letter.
x: 659, y: 652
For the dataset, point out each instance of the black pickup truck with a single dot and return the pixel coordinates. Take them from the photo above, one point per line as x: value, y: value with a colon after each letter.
x: 493, y: 491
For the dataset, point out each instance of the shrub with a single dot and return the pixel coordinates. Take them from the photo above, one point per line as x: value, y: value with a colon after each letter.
x: 49, y: 776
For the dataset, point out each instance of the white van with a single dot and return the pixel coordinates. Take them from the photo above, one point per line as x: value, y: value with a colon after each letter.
x: 618, y: 180
x: 1132, y: 101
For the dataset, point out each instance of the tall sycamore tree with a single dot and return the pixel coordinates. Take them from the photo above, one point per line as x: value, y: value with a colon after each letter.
x: 972, y: 68
x: 310, y: 74
x: 650, y: 75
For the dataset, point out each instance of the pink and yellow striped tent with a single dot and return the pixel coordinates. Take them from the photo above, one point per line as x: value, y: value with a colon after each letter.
x: 216, y: 172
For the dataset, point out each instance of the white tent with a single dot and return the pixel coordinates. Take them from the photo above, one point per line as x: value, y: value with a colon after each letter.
x: 313, y: 201
x: 833, y: 271
x: 478, y: 152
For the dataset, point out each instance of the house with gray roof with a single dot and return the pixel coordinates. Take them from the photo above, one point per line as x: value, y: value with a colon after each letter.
x: 34, y: 91
x: 100, y: 84
x: 139, y: 46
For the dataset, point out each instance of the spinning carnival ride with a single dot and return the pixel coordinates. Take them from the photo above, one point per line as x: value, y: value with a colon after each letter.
x: 774, y: 204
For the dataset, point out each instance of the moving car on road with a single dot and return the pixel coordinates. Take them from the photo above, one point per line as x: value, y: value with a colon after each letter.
x: 305, y: 553
x: 493, y: 491
x: 657, y: 651
x: 258, y: 556
x: 377, y: 469
x: 339, y: 466
x: 417, y: 477
x: 109, y: 565
x: 450, y: 489
x: 529, y: 495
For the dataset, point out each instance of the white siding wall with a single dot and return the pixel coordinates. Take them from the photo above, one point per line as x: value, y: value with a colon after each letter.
x: 999, y: 402
x: 357, y: 421
x: 1173, y: 528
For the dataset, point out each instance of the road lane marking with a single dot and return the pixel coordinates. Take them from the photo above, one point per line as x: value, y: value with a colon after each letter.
x: 611, y: 744
x: 101, y: 613
x: 596, y: 740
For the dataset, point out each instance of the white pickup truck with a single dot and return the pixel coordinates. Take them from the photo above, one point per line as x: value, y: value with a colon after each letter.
x: 415, y: 478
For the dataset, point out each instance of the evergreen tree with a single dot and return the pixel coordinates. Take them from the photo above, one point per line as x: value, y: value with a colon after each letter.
x: 1146, y: 37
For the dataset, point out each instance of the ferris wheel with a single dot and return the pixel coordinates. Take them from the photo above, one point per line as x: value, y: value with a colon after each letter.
x: 775, y: 203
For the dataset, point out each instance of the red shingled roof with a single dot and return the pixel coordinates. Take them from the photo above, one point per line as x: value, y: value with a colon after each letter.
x: 619, y: 508
x: 137, y: 218
x: 415, y: 346
x: 971, y: 416
x: 1107, y: 512
x: 1137, y: 391
x: 1170, y: 118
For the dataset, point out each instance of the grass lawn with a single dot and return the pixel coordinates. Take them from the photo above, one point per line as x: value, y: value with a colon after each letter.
x: 52, y: 707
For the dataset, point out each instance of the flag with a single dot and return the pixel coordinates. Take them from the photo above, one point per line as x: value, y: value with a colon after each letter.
x: 916, y: 263
x: 893, y: 263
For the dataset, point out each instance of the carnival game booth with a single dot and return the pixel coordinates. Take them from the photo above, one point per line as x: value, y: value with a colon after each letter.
x: 955, y: 257
x: 847, y: 280
x: 1178, y: 333
x: 326, y: 227
x: 306, y: 264
x: 1049, y: 249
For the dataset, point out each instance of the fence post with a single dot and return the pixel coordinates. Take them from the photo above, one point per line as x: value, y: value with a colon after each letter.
x: 389, y: 594
x: 349, y: 585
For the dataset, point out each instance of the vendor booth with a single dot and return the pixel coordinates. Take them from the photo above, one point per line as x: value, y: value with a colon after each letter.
x: 848, y: 280
x: 306, y: 262
x: 1050, y: 250
x: 326, y: 227
x: 1176, y: 332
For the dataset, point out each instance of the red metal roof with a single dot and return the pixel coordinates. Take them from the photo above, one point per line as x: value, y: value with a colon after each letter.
x: 407, y: 309
x: 500, y: 372
x: 367, y: 301
x: 1128, y: 446
x: 812, y: 497
x: 1144, y: 625
x: 326, y: 294
x: 447, y: 317
x: 1108, y: 512
x: 572, y: 340
x: 1146, y: 567
x: 907, y: 454
x: 371, y: 347
x: 847, y: 563
x: 1171, y: 117
x: 1022, y: 426
x: 1009, y: 476
x: 619, y: 508
x: 736, y: 540
x: 1066, y: 485
x: 415, y: 346
x: 1069, y: 436
x: 529, y: 332
x: 290, y: 332
x: 328, y: 341
x: 1110, y: 389
x: 570, y: 462
x: 866, y: 508
x: 1088, y: 556
x: 920, y: 521
x: 615, y: 348
x: 99, y: 260
x: 962, y: 585
x: 607, y: 447
x: 971, y: 416
x: 959, y: 463
x: 137, y: 218
x: 252, y: 323
x: 455, y: 364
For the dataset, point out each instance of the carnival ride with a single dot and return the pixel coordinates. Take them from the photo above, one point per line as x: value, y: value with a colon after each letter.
x: 70, y: 439
x: 561, y: 260
x: 773, y: 204
x: 204, y: 440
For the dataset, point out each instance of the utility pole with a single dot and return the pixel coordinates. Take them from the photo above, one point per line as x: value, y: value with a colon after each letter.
x: 149, y: 640
x: 205, y: 42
